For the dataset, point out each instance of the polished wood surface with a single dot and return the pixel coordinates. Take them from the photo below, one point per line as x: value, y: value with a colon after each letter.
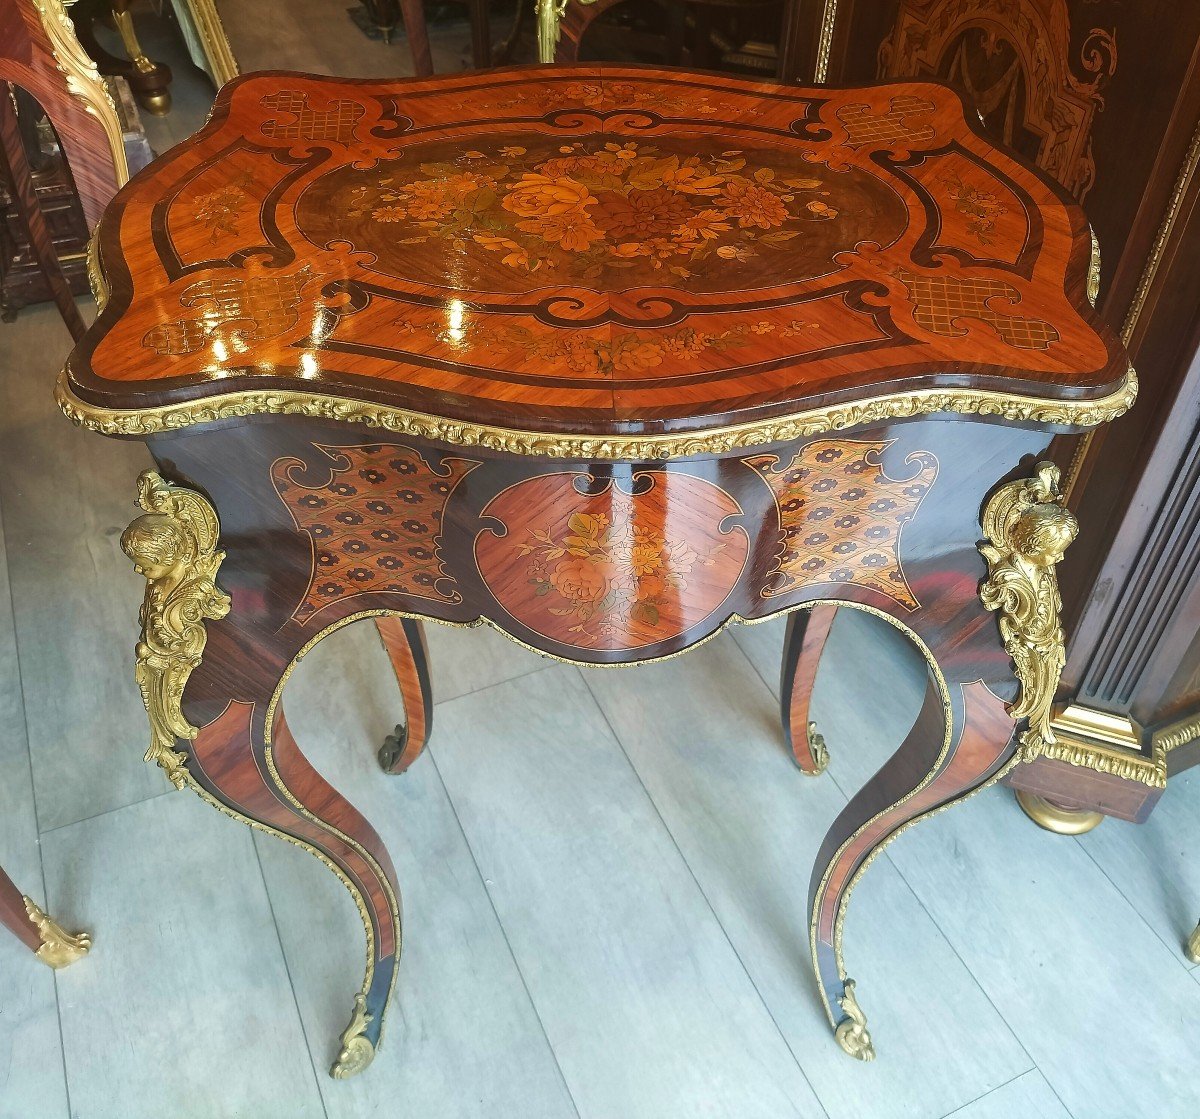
x: 597, y: 249
x: 27, y: 59
x: 590, y: 250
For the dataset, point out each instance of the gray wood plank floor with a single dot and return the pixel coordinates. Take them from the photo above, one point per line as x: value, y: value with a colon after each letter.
x: 604, y: 872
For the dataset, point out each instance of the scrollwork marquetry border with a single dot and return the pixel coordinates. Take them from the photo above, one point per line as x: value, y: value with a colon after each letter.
x: 139, y: 422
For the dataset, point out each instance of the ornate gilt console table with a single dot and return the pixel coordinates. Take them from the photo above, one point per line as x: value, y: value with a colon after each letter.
x: 606, y: 358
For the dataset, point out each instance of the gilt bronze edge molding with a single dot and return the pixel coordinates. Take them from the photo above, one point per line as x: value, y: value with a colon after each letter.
x: 214, y: 41
x: 95, y: 271
x: 639, y: 448
x: 825, y: 41
x: 1095, y: 740
x: 1174, y: 735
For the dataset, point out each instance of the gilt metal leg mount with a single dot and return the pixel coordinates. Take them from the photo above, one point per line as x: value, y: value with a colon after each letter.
x: 1026, y: 529
x: 244, y: 760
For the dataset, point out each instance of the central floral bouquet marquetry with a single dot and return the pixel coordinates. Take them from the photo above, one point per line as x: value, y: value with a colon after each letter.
x: 525, y: 212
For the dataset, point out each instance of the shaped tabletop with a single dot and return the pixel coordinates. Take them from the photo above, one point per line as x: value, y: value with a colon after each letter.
x: 591, y: 251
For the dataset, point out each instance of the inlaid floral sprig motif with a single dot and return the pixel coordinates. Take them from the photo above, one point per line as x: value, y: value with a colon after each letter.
x: 600, y: 353
x: 606, y: 575
x: 549, y: 96
x: 220, y: 210
x: 980, y: 208
x: 587, y: 207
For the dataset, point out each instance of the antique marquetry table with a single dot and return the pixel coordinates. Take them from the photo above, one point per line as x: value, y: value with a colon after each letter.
x: 606, y: 358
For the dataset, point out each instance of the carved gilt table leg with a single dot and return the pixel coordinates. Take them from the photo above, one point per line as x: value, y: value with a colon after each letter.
x: 963, y: 736
x: 233, y: 745
x: 36, y: 930
x: 1192, y: 948
x: 807, y: 632
x: 404, y: 640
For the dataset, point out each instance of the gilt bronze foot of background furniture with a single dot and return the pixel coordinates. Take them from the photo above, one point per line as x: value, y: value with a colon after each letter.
x: 1192, y: 948
x: 1056, y: 817
x: 149, y: 80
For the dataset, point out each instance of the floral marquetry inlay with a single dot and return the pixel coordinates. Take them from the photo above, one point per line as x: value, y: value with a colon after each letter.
x: 840, y: 516
x: 613, y: 564
x: 602, y: 251
x: 374, y: 515
x: 517, y: 212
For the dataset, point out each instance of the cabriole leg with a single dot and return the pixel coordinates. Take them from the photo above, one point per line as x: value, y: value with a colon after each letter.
x: 807, y: 632
x: 404, y: 640
x: 285, y: 796
x: 240, y: 755
x: 953, y: 750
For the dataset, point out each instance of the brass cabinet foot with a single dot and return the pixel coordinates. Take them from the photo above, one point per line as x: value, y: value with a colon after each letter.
x: 818, y: 749
x: 1192, y: 947
x: 356, y: 1051
x: 393, y: 749
x: 1055, y: 818
x: 59, y: 948
x: 851, y: 1033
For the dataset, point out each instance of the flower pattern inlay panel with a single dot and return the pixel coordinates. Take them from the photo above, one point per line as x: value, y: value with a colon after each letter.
x: 613, y: 564
x: 840, y: 516
x: 521, y: 211
x: 374, y: 516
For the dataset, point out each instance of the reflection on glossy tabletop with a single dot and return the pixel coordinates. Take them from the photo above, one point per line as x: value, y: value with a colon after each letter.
x: 606, y: 358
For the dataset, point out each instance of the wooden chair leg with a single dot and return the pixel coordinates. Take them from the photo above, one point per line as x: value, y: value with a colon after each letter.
x: 807, y: 632
x: 503, y: 52
x: 404, y: 640
x: 39, y: 933
x: 481, y: 34
x: 413, y: 14
x: 16, y: 166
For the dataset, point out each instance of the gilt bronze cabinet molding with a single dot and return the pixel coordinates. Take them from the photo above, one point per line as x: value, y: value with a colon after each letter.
x: 606, y: 358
